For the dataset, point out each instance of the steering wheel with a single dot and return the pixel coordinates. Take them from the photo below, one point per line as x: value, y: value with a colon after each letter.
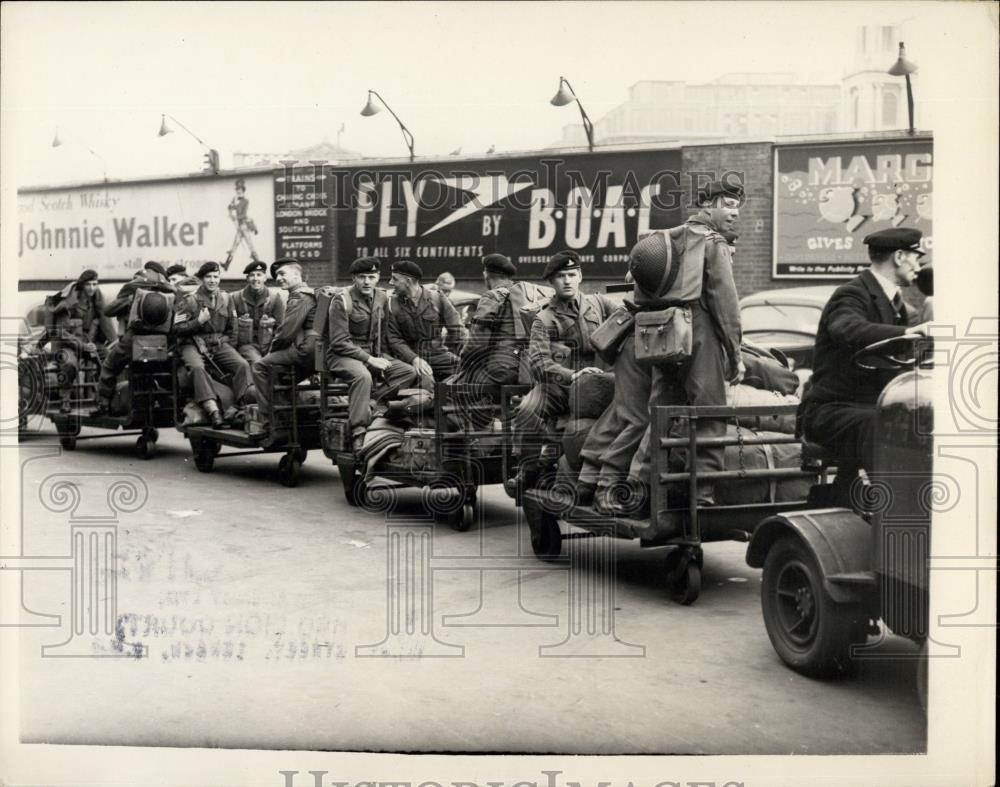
x: 909, y: 351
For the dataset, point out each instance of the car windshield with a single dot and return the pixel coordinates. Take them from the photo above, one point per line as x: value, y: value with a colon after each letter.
x: 784, y: 317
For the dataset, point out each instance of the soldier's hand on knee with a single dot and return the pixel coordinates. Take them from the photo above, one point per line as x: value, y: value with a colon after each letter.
x: 379, y: 364
x: 586, y: 370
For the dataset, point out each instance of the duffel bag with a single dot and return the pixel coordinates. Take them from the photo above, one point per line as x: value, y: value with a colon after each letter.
x: 573, y: 438
x: 590, y: 395
x: 746, y: 395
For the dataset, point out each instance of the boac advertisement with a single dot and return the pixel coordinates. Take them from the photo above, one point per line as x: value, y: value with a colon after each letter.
x: 114, y: 228
x: 829, y: 197
x: 447, y: 216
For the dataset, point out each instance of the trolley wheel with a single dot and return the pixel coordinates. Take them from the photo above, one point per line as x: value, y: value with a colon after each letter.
x: 145, y: 448
x: 301, y: 454
x: 288, y: 470
x: 204, y: 454
x: 462, y: 518
x: 68, y: 442
x: 810, y: 631
x: 357, y: 491
x: 152, y: 435
x: 684, y: 576
x: 546, y: 539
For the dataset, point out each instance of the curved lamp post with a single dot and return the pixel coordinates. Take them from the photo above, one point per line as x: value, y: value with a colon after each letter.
x: 565, y: 95
x: 903, y: 68
x: 371, y: 108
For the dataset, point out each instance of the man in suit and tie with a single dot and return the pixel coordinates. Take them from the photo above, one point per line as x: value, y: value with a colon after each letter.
x: 838, y: 411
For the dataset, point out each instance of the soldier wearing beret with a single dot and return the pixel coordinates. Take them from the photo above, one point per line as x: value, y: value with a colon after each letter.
x: 153, y: 277
x: 258, y: 310
x: 294, y: 343
x: 838, y: 409
x: 75, y: 325
x: 559, y: 348
x: 423, y: 326
x: 498, y: 337
x: 205, y: 325
x: 358, y: 349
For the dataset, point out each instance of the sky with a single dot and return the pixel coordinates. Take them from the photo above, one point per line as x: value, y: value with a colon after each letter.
x: 267, y: 77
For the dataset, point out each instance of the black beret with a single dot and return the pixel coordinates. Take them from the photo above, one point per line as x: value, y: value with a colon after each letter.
x: 719, y: 188
x: 409, y: 268
x: 366, y: 265
x: 176, y: 268
x: 499, y: 263
x: 276, y: 265
x: 208, y: 267
x: 254, y: 266
x: 87, y: 275
x: 904, y: 238
x: 154, y: 266
x: 562, y: 261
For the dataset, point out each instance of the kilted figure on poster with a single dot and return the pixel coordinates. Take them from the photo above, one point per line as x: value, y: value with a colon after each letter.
x: 239, y: 206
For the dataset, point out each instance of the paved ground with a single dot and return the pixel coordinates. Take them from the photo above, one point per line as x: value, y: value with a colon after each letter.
x: 256, y: 604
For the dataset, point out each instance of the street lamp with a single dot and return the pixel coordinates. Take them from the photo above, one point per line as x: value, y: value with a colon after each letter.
x: 565, y: 95
x: 57, y: 142
x: 371, y: 108
x: 903, y: 67
x: 211, y: 155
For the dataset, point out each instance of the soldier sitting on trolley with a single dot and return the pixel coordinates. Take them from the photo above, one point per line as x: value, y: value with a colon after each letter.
x: 259, y: 310
x: 156, y: 310
x: 358, y: 350
x: 205, y: 326
x: 294, y: 343
x: 418, y: 316
x: 76, y: 326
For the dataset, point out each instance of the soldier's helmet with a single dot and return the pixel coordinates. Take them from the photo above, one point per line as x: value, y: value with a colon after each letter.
x: 154, y: 309
x: 650, y: 263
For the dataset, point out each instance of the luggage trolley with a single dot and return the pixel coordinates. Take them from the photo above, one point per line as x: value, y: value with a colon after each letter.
x: 150, y: 375
x: 294, y: 429
x: 462, y: 459
x: 681, y: 527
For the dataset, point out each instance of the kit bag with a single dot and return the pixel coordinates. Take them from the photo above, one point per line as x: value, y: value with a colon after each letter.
x: 663, y: 336
x: 608, y: 337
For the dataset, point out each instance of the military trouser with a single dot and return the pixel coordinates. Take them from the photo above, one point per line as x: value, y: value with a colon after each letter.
x: 360, y: 382
x: 538, y: 407
x: 701, y: 382
x: 118, y: 357
x: 226, y: 360
x: 251, y: 352
x: 846, y: 429
x: 301, y: 360
x: 615, y: 437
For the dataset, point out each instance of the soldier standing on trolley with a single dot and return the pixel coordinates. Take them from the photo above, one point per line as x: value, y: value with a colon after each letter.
x: 259, y: 310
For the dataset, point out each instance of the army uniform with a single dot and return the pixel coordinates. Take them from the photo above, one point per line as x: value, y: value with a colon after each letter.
x: 120, y: 353
x: 294, y: 345
x: 414, y: 329
x: 210, y: 341
x: 356, y: 335
x: 252, y: 307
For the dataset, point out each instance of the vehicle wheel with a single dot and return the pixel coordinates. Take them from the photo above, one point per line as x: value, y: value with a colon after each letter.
x: 152, y: 435
x: 683, y: 576
x: 204, y: 454
x: 288, y: 470
x: 68, y: 442
x: 546, y: 539
x: 145, y: 448
x: 301, y: 454
x: 809, y: 630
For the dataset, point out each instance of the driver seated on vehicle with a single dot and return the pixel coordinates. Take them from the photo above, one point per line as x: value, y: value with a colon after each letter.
x: 838, y: 410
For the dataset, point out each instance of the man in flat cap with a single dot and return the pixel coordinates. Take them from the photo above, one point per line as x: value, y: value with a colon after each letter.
x: 358, y: 349
x: 444, y: 284
x: 239, y: 207
x: 559, y: 348
x: 423, y: 327
x: 498, y: 337
x: 76, y: 326
x: 205, y: 327
x: 259, y: 310
x: 294, y: 343
x: 838, y: 409
x: 153, y: 278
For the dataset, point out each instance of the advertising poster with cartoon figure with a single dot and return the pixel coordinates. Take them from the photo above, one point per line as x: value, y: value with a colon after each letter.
x: 829, y: 197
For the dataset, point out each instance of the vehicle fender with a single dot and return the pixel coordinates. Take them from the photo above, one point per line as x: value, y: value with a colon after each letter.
x: 839, y: 540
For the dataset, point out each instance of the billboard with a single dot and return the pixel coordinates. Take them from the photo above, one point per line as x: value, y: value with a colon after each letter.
x: 827, y: 198
x: 446, y: 216
x: 114, y: 228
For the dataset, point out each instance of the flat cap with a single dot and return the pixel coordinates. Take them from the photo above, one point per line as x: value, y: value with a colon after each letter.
x: 207, y: 268
x: 154, y: 266
x: 903, y: 238
x: 366, y: 265
x: 255, y: 266
x: 176, y: 268
x: 276, y: 265
x: 499, y: 263
x: 562, y: 261
x: 408, y: 268
x: 719, y: 188
x: 88, y: 275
